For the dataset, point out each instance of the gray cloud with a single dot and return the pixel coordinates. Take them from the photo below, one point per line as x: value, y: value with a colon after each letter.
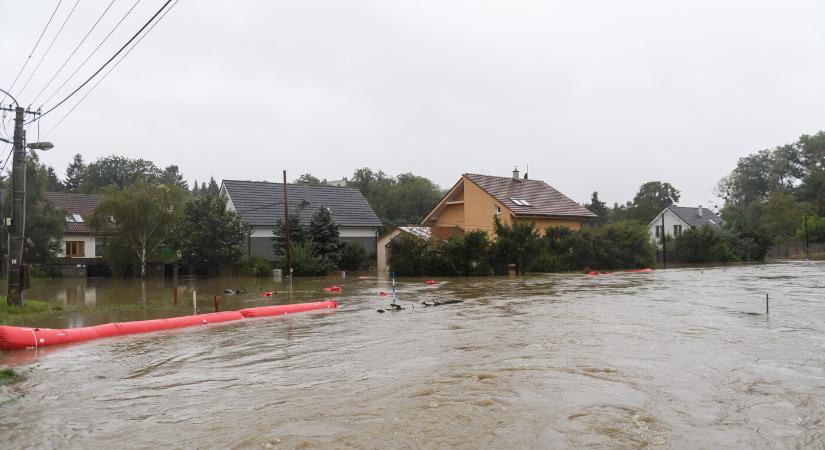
x: 598, y: 95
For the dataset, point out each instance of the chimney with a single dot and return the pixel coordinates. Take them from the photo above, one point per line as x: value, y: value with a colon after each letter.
x: 700, y: 210
x: 515, y: 173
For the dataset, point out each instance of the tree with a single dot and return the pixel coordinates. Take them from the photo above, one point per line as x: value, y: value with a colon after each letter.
x: 75, y: 174
x: 515, y: 244
x: 297, y: 234
x: 137, y: 220
x: 652, y: 198
x: 599, y: 208
x: 213, y: 188
x: 703, y: 245
x: 171, y: 175
x: 622, y: 245
x: 119, y: 172
x: 397, y: 200
x: 324, y: 234
x: 309, y: 179
x: 44, y: 221
x: 210, y: 235
x: 53, y: 183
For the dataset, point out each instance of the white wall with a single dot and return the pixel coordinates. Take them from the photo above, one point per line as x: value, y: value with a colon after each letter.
x: 89, y: 246
x: 670, y: 220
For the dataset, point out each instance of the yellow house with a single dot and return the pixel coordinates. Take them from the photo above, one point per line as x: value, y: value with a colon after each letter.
x: 473, y: 202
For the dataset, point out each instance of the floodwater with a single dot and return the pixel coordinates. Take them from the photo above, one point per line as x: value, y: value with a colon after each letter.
x: 682, y: 358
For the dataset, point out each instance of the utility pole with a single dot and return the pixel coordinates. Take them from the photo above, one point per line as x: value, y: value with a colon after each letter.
x: 17, y: 229
x: 807, y: 244
x: 286, y: 229
x: 18, y: 212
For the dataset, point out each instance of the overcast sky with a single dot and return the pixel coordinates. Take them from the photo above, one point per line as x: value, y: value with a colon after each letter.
x: 593, y: 95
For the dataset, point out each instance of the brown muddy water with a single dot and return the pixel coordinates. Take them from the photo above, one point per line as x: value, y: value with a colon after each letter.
x: 681, y: 358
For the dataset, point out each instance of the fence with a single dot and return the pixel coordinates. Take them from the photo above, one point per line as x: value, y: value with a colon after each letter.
x: 795, y: 250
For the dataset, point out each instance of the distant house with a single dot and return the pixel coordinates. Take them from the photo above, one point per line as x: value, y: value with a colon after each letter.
x: 678, y: 219
x: 261, y: 204
x: 475, y: 200
x: 79, y: 253
x: 78, y: 242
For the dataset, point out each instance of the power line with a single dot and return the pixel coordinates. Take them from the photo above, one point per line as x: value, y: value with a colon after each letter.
x: 42, y: 58
x: 6, y: 161
x: 73, y: 52
x: 107, y: 62
x: 26, y: 62
x: 109, y: 71
x: 69, y: 78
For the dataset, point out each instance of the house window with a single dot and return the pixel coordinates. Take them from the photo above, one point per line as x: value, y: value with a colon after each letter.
x: 496, y: 209
x: 520, y: 202
x: 75, y: 248
x: 74, y: 218
x: 677, y: 230
x: 658, y: 231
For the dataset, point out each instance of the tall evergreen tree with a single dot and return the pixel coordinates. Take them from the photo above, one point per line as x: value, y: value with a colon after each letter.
x: 324, y: 233
x: 53, y: 183
x: 75, y: 174
x: 213, y: 188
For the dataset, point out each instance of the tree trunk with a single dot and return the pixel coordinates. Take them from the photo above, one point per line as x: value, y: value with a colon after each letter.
x: 143, y: 261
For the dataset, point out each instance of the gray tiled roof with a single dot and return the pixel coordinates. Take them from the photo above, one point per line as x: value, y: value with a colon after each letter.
x: 71, y: 203
x: 261, y: 203
x: 545, y: 200
x: 690, y: 215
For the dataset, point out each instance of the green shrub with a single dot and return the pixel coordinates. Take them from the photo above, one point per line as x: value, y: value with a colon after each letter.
x: 257, y: 266
x: 707, y: 244
x: 622, y: 245
x: 305, y: 260
x: 353, y: 257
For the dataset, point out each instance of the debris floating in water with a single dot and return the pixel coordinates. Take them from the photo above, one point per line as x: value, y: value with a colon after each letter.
x: 332, y: 289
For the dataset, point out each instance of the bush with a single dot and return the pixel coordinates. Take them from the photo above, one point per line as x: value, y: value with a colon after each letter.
x: 704, y: 245
x: 257, y: 266
x: 622, y: 245
x: 353, y: 257
x: 816, y: 229
x: 305, y: 260
x: 411, y: 256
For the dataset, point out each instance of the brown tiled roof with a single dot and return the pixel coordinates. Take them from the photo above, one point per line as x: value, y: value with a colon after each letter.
x: 545, y: 200
x: 83, y: 204
x: 71, y: 203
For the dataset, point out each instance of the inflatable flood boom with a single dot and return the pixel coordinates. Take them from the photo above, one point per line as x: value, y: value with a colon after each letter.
x: 21, y: 337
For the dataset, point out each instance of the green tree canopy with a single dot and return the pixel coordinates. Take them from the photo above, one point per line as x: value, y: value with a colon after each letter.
x: 399, y: 200
x: 44, y: 221
x: 75, y: 173
x: 599, y: 208
x: 209, y: 234
x: 118, y: 172
x: 137, y: 220
x: 652, y: 198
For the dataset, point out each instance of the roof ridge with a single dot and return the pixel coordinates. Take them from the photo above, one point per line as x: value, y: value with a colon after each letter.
x: 290, y: 184
x: 505, y: 178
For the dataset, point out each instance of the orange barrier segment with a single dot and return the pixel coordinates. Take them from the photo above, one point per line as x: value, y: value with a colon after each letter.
x: 21, y: 337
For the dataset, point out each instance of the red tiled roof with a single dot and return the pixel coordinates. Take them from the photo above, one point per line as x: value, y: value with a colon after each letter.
x: 545, y: 200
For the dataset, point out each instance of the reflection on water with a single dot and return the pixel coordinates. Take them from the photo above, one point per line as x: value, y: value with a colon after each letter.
x: 680, y: 358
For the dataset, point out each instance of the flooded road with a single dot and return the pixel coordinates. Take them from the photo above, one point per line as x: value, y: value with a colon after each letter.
x: 682, y: 358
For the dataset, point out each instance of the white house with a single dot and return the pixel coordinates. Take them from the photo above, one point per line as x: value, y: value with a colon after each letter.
x: 675, y: 220
x: 261, y: 204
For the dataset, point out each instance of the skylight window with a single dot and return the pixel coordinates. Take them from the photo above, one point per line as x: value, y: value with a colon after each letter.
x: 520, y: 202
x: 74, y: 218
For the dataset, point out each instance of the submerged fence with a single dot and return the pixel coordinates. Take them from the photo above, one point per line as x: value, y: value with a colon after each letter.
x: 795, y: 250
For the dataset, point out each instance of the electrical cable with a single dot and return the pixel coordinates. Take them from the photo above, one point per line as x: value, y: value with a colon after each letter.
x: 6, y: 161
x: 34, y: 100
x: 43, y: 58
x: 26, y: 62
x: 151, y: 19
x: 69, y: 78
x: 100, y: 80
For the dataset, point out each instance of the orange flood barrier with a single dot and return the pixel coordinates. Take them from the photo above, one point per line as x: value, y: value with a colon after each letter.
x: 21, y: 337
